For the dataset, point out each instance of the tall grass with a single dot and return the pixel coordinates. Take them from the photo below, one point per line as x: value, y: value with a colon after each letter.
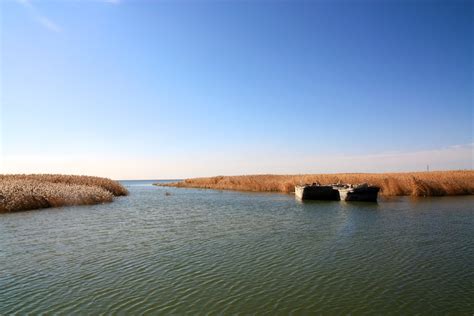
x: 27, y: 192
x: 435, y: 183
x: 112, y: 186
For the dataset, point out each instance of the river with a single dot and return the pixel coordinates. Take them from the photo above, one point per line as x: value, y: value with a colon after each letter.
x: 195, y: 251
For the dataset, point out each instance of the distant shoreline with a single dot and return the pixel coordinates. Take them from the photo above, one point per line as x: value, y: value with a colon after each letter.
x: 430, y: 183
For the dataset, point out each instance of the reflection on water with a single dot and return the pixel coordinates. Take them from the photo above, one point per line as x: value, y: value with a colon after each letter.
x: 198, y: 251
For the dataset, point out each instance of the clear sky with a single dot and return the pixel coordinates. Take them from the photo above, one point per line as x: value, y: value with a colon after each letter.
x: 155, y: 89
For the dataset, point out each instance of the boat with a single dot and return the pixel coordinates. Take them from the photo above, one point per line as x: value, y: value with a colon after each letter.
x: 360, y: 192
x: 316, y: 192
x: 337, y: 192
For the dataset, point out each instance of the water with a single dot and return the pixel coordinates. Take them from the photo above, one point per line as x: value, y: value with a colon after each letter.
x: 202, y: 251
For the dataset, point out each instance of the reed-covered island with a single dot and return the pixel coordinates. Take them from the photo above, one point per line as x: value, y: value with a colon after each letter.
x: 22, y: 192
x: 433, y: 183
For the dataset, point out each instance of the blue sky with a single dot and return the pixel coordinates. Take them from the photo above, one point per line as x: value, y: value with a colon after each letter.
x: 154, y: 89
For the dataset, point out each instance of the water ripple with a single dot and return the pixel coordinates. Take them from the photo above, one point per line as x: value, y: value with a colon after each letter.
x: 209, y: 252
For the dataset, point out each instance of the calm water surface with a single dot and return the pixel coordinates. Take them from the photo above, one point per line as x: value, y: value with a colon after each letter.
x: 203, y: 251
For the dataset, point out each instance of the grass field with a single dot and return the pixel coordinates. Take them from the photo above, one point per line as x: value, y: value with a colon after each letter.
x: 434, y: 183
x: 28, y: 192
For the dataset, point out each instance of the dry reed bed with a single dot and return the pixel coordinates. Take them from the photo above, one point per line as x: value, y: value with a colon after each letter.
x: 28, y: 192
x: 434, y: 183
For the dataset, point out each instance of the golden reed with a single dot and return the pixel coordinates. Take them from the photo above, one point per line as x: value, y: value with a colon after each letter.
x: 28, y: 192
x: 433, y: 183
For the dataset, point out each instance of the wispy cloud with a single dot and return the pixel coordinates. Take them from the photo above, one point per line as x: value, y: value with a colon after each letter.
x: 39, y: 17
x: 50, y: 25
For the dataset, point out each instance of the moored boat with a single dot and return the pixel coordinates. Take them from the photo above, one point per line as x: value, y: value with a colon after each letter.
x: 361, y: 192
x: 337, y: 192
x: 316, y: 192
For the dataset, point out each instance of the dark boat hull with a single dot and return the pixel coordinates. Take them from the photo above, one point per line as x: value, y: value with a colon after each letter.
x: 326, y: 193
x: 367, y: 194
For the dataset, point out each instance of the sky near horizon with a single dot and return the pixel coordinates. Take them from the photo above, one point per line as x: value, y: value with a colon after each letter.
x: 175, y: 89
